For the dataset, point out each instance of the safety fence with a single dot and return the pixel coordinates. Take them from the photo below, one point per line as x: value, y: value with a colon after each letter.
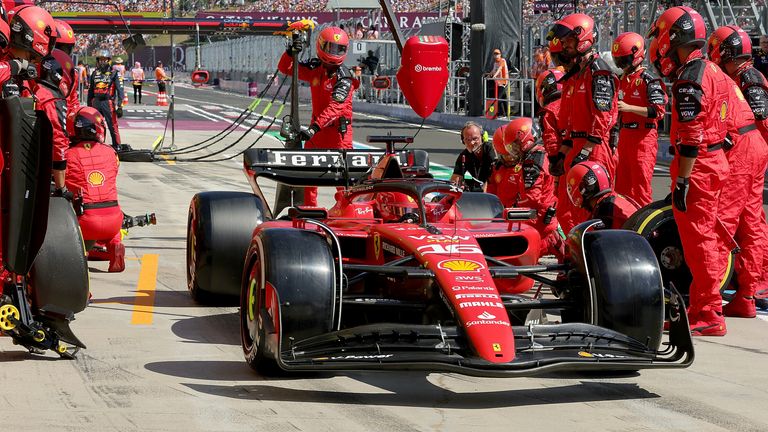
x: 510, y: 97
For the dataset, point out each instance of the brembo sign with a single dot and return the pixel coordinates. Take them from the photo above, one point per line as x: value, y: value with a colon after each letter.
x: 421, y: 68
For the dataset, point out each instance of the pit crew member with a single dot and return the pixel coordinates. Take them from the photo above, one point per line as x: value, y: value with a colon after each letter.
x: 589, y: 186
x: 476, y: 159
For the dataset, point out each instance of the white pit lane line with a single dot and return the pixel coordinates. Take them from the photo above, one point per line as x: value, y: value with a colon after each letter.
x: 202, y: 113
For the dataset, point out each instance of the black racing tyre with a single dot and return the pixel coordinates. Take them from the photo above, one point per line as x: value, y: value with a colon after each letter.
x: 480, y: 205
x: 629, y: 291
x: 299, y: 266
x: 656, y: 223
x: 59, y: 274
x: 219, y: 229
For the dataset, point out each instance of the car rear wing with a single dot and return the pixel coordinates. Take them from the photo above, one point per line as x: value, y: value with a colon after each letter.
x: 326, y: 167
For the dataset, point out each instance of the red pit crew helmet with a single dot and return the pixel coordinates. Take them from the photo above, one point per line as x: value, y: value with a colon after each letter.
x: 677, y: 27
x: 628, y: 50
x: 33, y: 30
x: 66, y: 39
x: 578, y: 25
x: 548, y: 84
x: 585, y: 181
x: 728, y: 43
x: 57, y: 70
x: 86, y: 124
x: 518, y: 133
x: 332, y: 44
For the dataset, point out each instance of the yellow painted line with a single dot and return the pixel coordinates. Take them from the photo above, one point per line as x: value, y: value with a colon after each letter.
x: 168, y: 160
x: 157, y: 142
x: 144, y: 303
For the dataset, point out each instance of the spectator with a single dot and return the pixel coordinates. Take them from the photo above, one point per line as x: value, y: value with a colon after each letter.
x: 500, y: 75
x: 359, y: 33
x: 373, y: 33
x: 371, y: 63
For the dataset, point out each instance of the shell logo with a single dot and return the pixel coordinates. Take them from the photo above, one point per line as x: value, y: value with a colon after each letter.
x: 723, y: 110
x: 96, y: 178
x: 458, y: 266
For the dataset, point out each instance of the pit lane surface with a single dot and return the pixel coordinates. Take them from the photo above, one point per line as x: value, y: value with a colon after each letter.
x: 157, y: 361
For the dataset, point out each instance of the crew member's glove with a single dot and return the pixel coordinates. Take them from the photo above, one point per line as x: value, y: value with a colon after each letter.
x: 296, y: 46
x: 307, y: 134
x: 556, y: 162
x: 23, y: 69
x: 63, y: 193
x: 680, y: 194
x: 583, y: 156
x: 119, y: 112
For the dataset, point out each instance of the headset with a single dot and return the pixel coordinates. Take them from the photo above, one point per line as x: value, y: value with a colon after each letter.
x: 483, y: 132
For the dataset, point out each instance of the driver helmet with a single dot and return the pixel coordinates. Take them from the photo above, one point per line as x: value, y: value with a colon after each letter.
x: 86, y: 124
x: 332, y: 44
x: 393, y: 205
x: 587, y: 180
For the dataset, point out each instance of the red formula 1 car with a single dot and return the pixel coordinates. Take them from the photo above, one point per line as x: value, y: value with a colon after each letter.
x: 444, y: 284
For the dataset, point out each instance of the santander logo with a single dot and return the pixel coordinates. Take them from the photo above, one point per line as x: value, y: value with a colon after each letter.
x: 420, y: 68
x: 486, y: 316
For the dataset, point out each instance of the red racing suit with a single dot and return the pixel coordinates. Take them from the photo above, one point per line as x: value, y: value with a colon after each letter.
x: 741, y: 200
x: 638, y: 136
x: 73, y: 100
x: 588, y: 111
x: 52, y: 103
x: 754, y: 87
x: 104, y: 90
x: 550, y: 130
x: 700, y: 96
x: 92, y: 176
x: 614, y: 210
x: 529, y: 185
x: 332, y: 91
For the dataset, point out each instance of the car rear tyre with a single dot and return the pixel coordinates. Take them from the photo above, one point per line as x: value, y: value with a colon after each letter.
x: 219, y: 230
x: 656, y: 223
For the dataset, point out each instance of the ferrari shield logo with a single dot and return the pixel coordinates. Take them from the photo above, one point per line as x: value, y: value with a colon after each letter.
x: 615, y: 47
x: 336, y: 37
x: 638, y: 81
x: 497, y: 347
x: 376, y: 245
x: 518, y: 167
x: 723, y: 110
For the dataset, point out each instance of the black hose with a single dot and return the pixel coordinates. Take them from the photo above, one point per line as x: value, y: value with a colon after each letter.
x: 204, y: 158
x: 226, y: 131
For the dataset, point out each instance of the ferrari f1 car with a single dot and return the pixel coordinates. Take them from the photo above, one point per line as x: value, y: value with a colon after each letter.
x: 409, y: 272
